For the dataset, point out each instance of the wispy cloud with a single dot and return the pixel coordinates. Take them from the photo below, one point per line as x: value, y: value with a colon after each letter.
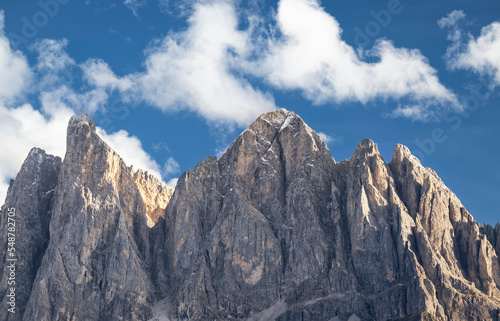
x: 480, y: 55
x: 161, y: 146
x: 134, y: 5
x: 451, y: 19
x: 171, y: 167
x: 329, y: 139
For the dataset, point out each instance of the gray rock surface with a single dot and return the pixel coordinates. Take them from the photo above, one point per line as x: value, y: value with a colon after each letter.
x: 275, y: 229
x: 30, y: 196
x: 95, y: 265
x: 276, y: 225
x: 493, y: 235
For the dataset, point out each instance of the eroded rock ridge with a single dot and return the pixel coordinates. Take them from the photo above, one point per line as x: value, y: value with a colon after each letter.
x: 275, y: 229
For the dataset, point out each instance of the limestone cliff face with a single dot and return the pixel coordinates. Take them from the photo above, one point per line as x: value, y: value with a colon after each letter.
x: 493, y: 235
x: 96, y: 263
x: 275, y: 229
x: 30, y: 198
x: 155, y: 195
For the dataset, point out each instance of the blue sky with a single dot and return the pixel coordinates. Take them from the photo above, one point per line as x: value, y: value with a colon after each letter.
x: 171, y: 82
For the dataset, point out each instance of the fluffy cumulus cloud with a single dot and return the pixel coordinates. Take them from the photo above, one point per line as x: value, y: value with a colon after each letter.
x: 99, y: 74
x: 481, y: 54
x: 172, y: 183
x: 311, y: 56
x: 15, y: 72
x: 193, y: 70
x: 205, y: 67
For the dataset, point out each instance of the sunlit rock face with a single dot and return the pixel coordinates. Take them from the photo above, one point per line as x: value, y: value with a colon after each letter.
x: 275, y: 229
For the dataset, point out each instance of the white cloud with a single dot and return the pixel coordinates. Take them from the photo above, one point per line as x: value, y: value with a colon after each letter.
x: 193, y: 70
x: 98, y: 73
x: 480, y: 55
x: 413, y: 112
x: 205, y: 68
x: 15, y: 72
x: 451, y: 19
x: 52, y: 56
x: 55, y: 74
x: 311, y: 56
x: 171, y: 167
x: 54, y: 66
x: 86, y: 102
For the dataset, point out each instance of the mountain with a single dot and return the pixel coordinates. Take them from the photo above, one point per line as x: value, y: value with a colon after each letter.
x: 275, y: 229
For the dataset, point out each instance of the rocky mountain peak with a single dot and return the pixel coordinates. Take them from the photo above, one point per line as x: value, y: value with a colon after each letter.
x: 81, y: 125
x: 99, y: 218
x: 277, y: 117
x: 273, y: 230
x: 402, y: 152
x: 365, y: 151
x: 367, y: 145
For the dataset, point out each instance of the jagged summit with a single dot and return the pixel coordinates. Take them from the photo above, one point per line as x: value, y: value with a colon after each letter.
x: 367, y: 143
x: 79, y: 127
x: 83, y: 119
x: 273, y: 230
x: 276, y: 117
x: 366, y: 149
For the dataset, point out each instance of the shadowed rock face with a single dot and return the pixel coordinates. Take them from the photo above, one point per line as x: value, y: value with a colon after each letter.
x: 273, y: 230
x: 493, y: 235
x: 30, y: 197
